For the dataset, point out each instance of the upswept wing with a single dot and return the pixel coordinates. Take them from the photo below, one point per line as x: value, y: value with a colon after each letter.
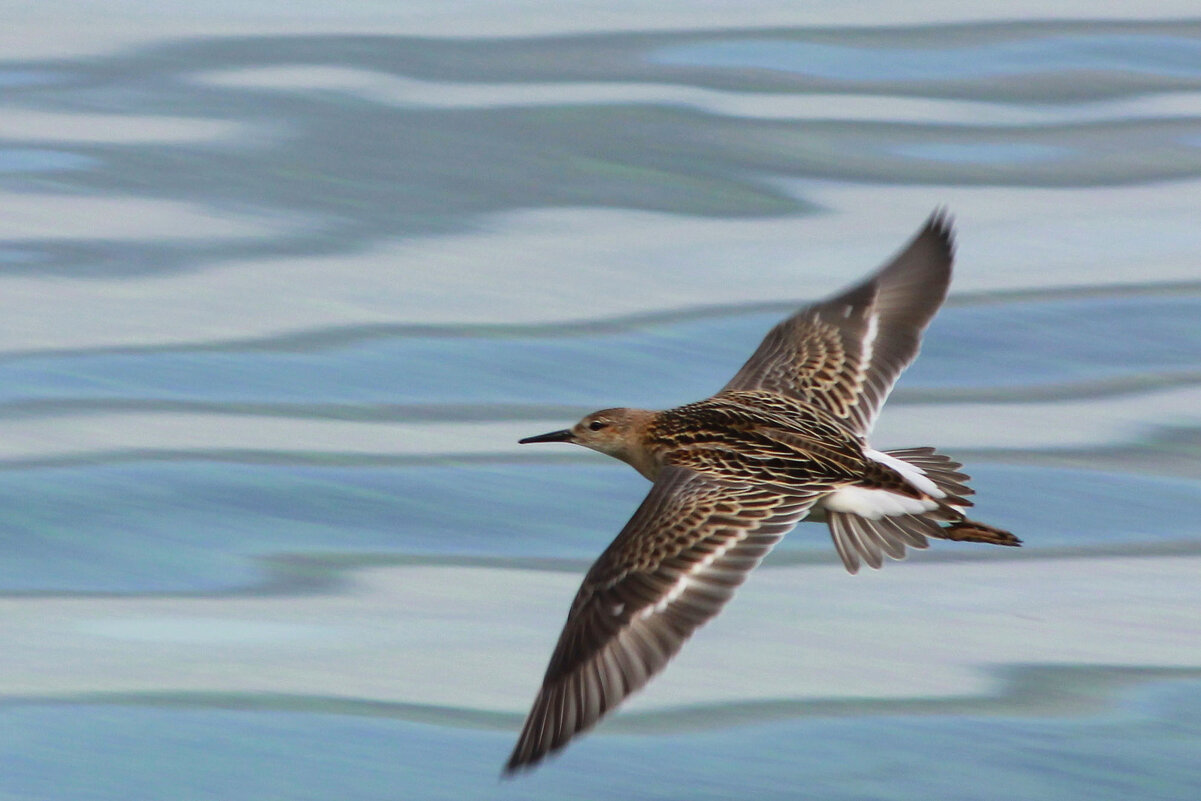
x: 674, y: 565
x: 846, y: 353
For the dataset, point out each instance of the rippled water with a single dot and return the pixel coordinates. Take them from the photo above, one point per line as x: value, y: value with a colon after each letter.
x: 275, y: 306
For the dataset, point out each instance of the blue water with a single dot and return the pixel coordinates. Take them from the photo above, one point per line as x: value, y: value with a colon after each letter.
x: 982, y: 152
x: 35, y: 160
x: 207, y: 526
x: 976, y: 345
x: 1167, y: 56
x: 1144, y: 747
x: 147, y: 527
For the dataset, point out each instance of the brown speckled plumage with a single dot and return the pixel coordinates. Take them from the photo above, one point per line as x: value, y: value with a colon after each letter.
x: 785, y: 439
x: 767, y: 439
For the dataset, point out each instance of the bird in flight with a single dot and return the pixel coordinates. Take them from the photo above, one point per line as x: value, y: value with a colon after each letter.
x: 785, y: 439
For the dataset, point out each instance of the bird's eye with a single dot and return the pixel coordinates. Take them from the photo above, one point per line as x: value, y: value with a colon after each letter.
x: 596, y: 425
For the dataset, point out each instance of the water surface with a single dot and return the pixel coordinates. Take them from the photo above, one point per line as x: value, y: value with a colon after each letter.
x: 275, y: 306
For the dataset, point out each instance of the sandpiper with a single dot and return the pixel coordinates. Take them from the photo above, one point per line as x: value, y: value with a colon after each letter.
x: 785, y: 439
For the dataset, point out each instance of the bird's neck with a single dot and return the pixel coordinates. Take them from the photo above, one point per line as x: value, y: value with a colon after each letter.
x: 636, y: 448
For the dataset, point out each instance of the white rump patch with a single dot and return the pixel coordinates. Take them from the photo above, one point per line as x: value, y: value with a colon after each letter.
x: 876, y: 503
x: 911, y: 473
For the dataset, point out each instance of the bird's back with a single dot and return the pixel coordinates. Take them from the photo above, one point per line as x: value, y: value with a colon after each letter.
x: 767, y: 438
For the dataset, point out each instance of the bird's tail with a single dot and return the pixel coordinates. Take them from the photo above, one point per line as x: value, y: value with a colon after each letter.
x: 974, y: 531
x: 860, y: 539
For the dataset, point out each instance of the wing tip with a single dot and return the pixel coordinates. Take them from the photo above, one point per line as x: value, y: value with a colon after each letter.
x: 518, y: 764
x: 528, y: 753
x: 941, y: 226
x: 922, y: 267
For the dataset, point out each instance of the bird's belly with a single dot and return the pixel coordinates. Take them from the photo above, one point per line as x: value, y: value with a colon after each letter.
x: 872, y: 503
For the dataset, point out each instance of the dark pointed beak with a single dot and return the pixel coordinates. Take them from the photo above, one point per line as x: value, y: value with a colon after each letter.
x: 555, y: 436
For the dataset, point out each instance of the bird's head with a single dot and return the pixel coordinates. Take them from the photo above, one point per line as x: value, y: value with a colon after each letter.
x: 620, y: 433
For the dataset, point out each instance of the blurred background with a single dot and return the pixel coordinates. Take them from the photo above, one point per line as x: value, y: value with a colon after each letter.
x: 281, y: 285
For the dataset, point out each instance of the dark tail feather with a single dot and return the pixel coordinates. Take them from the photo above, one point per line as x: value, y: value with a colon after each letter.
x: 858, y: 539
x: 973, y: 531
